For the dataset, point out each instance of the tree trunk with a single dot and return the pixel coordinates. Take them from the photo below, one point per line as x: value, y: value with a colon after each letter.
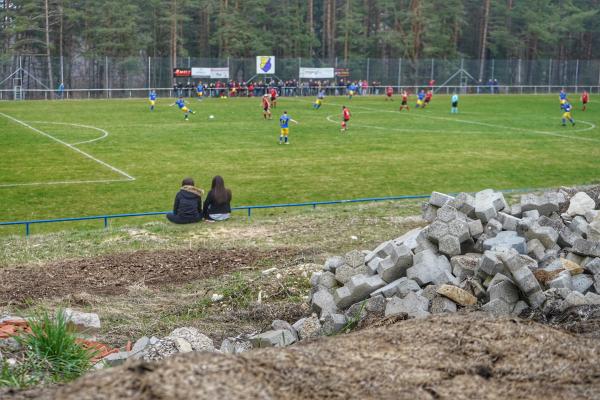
x: 47, y: 31
x: 347, y: 31
x: 310, y: 23
x: 173, y: 52
x: 484, y: 33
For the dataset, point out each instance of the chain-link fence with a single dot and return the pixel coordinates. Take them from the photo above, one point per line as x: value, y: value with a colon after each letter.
x: 131, y: 77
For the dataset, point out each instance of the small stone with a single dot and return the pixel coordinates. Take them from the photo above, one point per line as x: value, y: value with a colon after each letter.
x: 87, y: 323
x: 441, y: 305
x: 570, y: 266
x: 308, y: 328
x: 580, y: 204
x: 333, y: 323
x: 457, y: 295
x: 582, y: 283
x: 197, y: 340
x: 115, y: 359
x: 278, y: 338
x: 413, y: 305
x: 497, y: 307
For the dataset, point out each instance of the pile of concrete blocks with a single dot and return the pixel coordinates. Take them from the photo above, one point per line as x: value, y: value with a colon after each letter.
x: 479, y: 253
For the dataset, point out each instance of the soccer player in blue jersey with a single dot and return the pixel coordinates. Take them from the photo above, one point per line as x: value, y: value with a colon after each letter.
x: 200, y: 91
x: 351, y: 90
x: 284, y: 123
x: 181, y: 104
x: 566, y: 106
x: 562, y: 96
x: 319, y: 101
x: 421, y: 99
x: 152, y: 99
x: 454, y: 101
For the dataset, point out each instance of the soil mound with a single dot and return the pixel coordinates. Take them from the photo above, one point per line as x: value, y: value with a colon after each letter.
x: 458, y: 356
x: 112, y: 274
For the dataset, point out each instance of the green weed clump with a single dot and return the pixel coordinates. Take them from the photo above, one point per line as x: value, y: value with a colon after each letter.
x: 50, y: 353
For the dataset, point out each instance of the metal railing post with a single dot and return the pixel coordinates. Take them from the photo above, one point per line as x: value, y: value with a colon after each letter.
x: 27, y: 230
x: 105, y: 222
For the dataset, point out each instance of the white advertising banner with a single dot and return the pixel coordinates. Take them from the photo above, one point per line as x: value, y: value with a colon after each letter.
x: 219, y: 73
x: 201, y: 72
x: 265, y: 65
x: 316, y: 73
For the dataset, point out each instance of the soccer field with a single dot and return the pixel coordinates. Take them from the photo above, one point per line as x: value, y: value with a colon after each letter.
x: 74, y: 158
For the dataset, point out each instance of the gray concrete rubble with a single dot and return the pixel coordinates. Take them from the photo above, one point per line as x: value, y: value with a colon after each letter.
x: 278, y: 338
x: 506, y: 240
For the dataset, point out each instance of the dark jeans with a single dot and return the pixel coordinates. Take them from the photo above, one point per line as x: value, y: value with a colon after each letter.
x: 177, y: 219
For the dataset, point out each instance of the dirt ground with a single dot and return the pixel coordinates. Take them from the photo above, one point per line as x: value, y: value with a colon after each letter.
x: 112, y: 274
x: 461, y: 356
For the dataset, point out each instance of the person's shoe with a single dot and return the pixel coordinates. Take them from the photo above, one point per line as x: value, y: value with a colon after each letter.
x: 287, y: 142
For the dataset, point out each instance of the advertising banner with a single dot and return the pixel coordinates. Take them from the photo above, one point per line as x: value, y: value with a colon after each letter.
x: 316, y: 73
x: 219, y: 73
x: 201, y: 72
x: 265, y: 65
x: 182, y: 72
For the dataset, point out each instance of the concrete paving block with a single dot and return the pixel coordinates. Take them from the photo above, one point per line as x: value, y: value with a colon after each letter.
x: 342, y: 297
x: 497, y: 307
x: 592, y: 298
x: 344, y: 273
x: 545, y: 234
x: 526, y: 281
x: 536, y: 299
x: 505, y: 291
x: 333, y: 323
x: 278, y: 338
x: 519, y: 307
x: 506, y: 240
x: 460, y: 229
x: 545, y: 204
x: 509, y: 223
x: 586, y: 248
x: 332, y: 263
x: 582, y: 283
x: 281, y: 324
x: 492, y: 228
x: 440, y: 305
x: 439, y: 199
x: 490, y: 263
x: 593, y: 266
x: 323, y: 302
x: 409, y: 239
x: 531, y: 214
x: 475, y: 228
x: 579, y: 226
x: 465, y: 203
x: 115, y: 359
x: 354, y: 258
x: 447, y: 213
x: 413, y: 305
x: 361, y: 286
x: 580, y: 204
x: 450, y: 245
x: 573, y: 299
x: 484, y: 205
x: 536, y: 249
x: 594, y: 231
x: 381, y: 251
x: 395, y: 265
x: 308, y: 328
x: 465, y: 265
x: 429, y: 212
x: 327, y: 280
x: 516, y: 211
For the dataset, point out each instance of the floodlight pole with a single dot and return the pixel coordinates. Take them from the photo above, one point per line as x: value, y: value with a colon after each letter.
x: 399, y: 72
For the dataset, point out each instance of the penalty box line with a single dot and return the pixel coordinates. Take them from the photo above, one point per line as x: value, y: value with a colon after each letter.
x: 72, y: 147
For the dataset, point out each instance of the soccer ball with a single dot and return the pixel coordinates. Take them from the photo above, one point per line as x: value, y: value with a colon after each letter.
x: 211, y: 117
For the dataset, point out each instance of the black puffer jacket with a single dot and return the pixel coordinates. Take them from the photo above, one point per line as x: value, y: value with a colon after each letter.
x: 188, y: 203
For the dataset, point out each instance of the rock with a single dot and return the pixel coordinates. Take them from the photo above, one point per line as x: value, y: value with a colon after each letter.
x: 562, y: 280
x: 409, y: 239
x: 592, y: 298
x: 475, y: 228
x: 413, y: 305
x: 536, y: 249
x: 580, y: 226
x: 216, y: 297
x: 457, y: 295
x: 487, y: 204
x: 140, y: 345
x: 570, y: 266
x: 492, y: 228
x: 327, y: 280
x: 308, y: 328
x: 430, y: 268
x: 593, y: 266
x: 519, y: 307
x: 115, y: 359
x: 465, y: 203
x: 506, y: 240
x: 278, y: 338
x: 162, y: 349
x: 183, y: 346
x: 441, y: 305
x: 197, y: 340
x: 439, y: 199
x: 86, y: 323
x: 395, y: 264
x: 509, y: 223
x: 545, y: 204
x: 580, y: 204
x: 545, y: 234
x: 490, y: 263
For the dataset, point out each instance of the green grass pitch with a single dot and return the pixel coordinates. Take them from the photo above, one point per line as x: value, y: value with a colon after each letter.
x: 495, y: 141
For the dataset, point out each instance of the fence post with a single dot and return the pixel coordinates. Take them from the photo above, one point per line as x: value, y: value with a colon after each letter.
x: 249, y: 213
x: 105, y: 222
x: 577, y: 76
x: 549, y: 75
x: 27, y: 230
x: 106, y: 76
x: 432, y: 69
x: 149, y: 73
x: 400, y: 72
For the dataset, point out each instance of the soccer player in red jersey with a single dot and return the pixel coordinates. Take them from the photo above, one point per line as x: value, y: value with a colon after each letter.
x: 345, y: 118
x: 404, y: 101
x: 273, y: 97
x: 428, y: 97
x: 266, y: 105
x: 388, y: 93
x: 585, y: 97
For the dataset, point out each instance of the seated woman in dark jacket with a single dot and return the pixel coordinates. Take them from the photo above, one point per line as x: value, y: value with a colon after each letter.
x: 188, y: 204
x: 217, y: 205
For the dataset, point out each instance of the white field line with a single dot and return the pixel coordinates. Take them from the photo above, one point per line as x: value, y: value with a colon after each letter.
x: 104, y: 133
x: 457, y: 120
x: 62, y: 183
x: 72, y: 147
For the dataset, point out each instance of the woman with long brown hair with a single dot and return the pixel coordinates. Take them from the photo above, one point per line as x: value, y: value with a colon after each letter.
x: 217, y: 205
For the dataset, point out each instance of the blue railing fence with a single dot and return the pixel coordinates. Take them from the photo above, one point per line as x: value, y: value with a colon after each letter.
x: 249, y: 209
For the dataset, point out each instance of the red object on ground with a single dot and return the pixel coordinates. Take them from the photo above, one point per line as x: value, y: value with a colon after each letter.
x: 102, y: 350
x: 13, y: 327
